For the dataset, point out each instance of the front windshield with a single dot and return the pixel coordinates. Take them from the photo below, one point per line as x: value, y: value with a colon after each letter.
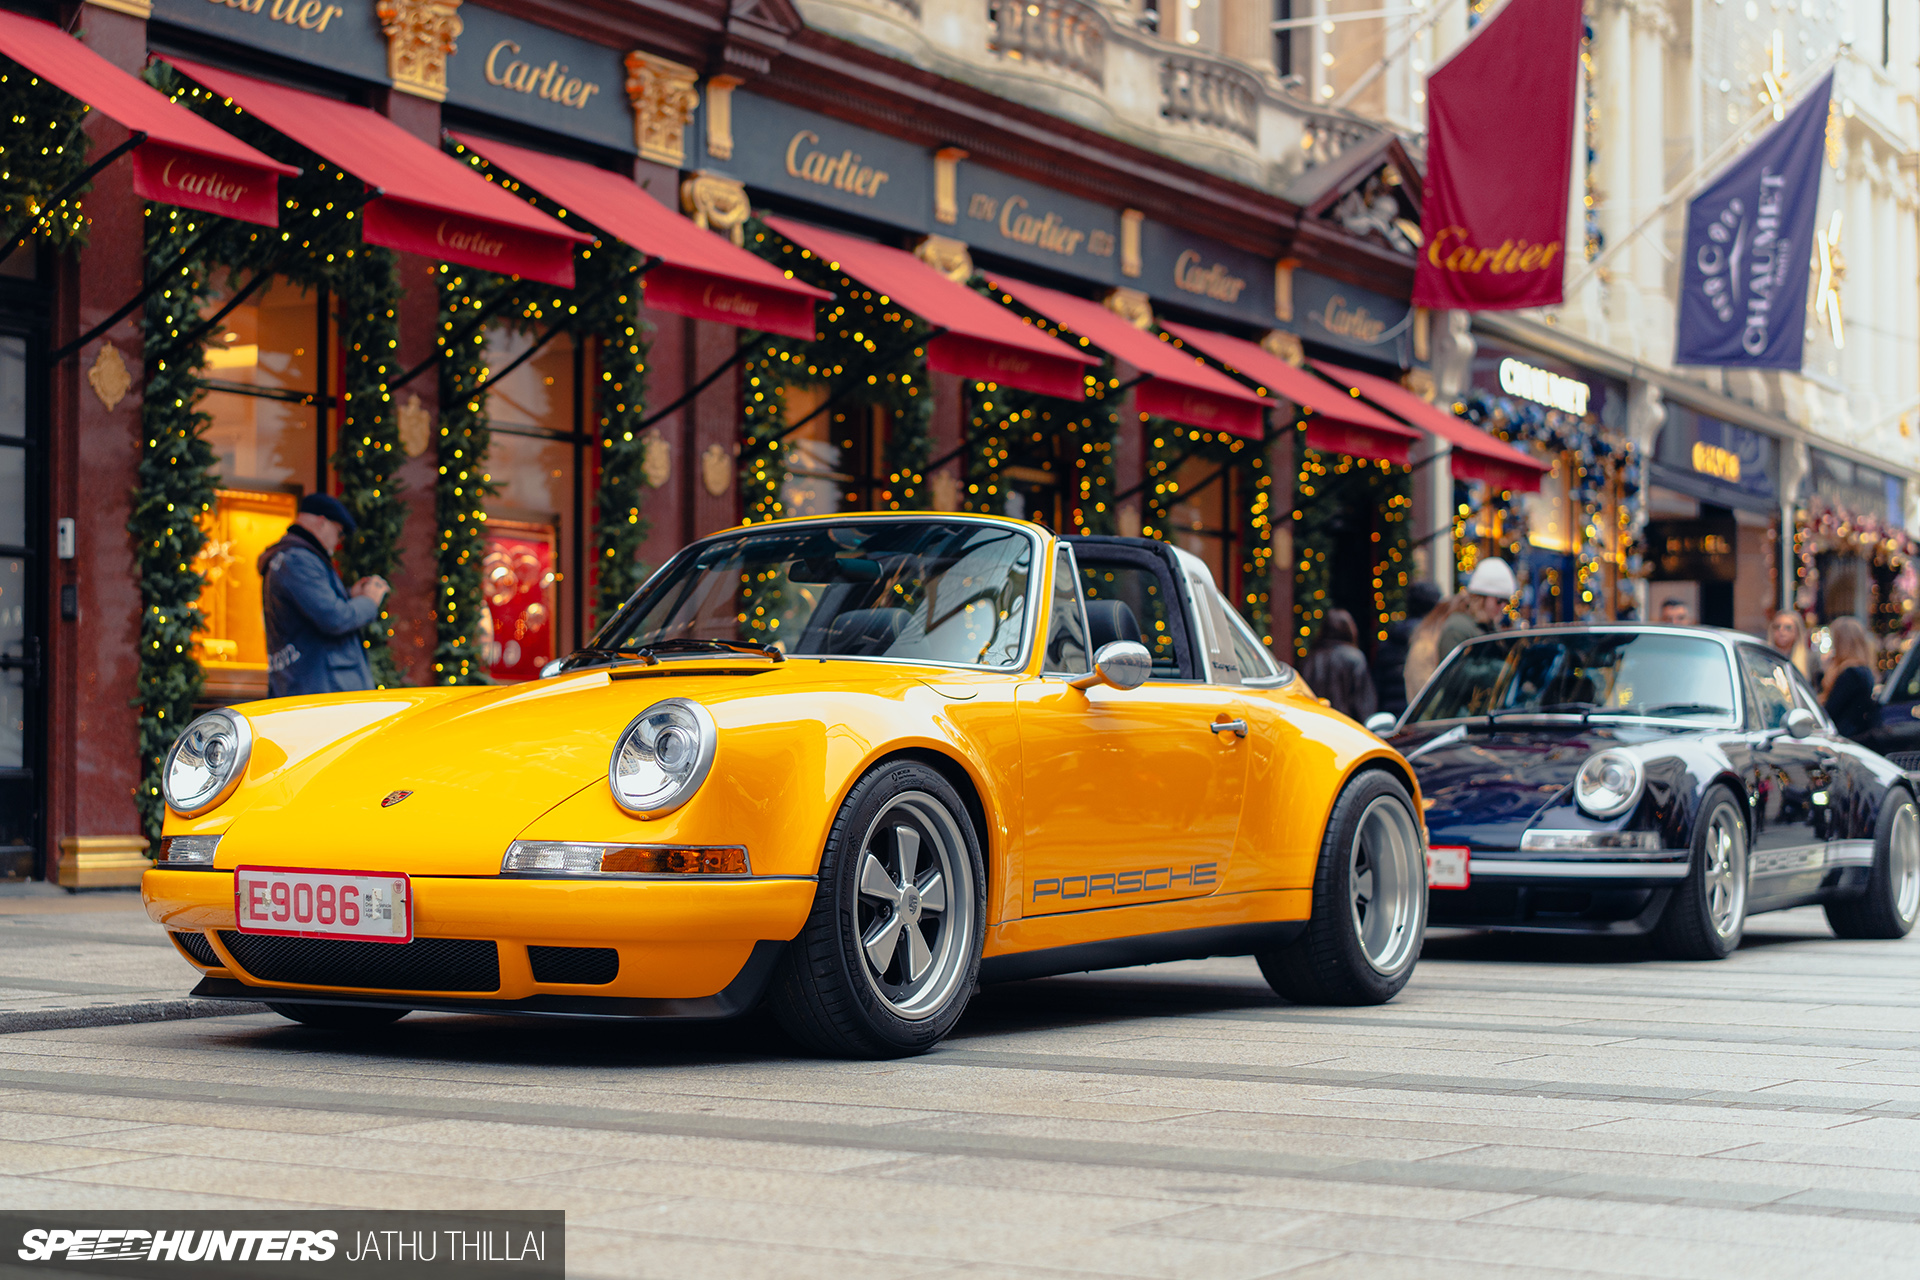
x: 921, y: 590
x: 1618, y: 673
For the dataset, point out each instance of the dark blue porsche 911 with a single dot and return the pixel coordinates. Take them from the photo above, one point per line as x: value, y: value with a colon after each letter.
x: 1644, y: 779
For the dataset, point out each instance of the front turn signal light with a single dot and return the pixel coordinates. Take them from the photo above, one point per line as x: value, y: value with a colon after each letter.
x: 572, y: 858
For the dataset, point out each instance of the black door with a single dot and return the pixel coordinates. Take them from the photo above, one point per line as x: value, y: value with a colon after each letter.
x: 22, y: 625
x: 1793, y: 785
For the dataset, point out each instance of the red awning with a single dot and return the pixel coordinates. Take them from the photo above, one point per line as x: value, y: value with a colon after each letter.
x: 1174, y: 385
x: 1476, y: 455
x: 428, y: 202
x: 185, y: 160
x: 1337, y: 424
x: 698, y: 274
x: 981, y: 340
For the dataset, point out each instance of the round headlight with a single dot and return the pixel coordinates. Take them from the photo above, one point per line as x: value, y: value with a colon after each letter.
x: 662, y: 758
x: 1608, y: 784
x: 206, y: 762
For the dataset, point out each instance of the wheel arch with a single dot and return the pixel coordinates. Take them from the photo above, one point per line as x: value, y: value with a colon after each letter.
x: 957, y: 775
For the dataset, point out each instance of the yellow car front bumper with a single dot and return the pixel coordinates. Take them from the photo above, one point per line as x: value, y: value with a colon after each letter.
x: 685, y: 948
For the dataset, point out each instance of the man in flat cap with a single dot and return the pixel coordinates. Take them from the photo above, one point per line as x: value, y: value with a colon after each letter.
x: 313, y: 620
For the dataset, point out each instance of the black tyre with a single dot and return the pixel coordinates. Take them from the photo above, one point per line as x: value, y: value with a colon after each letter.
x: 891, y: 953
x: 1369, y: 902
x: 1892, y: 900
x: 339, y: 1017
x: 1707, y: 914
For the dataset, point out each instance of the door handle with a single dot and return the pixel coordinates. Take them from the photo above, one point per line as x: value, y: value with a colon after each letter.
x: 1239, y: 727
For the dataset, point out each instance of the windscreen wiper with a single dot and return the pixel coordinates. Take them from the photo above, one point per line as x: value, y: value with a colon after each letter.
x: 1552, y: 708
x: 698, y: 644
x: 1675, y: 709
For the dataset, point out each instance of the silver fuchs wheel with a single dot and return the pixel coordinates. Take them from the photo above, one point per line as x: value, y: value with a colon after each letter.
x: 1891, y: 901
x: 1707, y: 915
x: 891, y: 952
x: 1369, y: 902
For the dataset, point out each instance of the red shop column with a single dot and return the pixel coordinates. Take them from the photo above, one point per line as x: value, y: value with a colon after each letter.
x: 93, y: 830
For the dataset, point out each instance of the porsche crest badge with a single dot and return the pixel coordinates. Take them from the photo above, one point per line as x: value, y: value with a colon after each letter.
x: 393, y: 798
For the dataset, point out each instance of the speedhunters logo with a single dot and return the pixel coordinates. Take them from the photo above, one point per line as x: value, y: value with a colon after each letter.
x: 240, y: 1244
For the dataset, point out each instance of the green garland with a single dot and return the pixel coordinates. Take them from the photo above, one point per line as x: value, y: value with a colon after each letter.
x: 867, y: 351
x: 1331, y: 487
x: 602, y: 305
x: 43, y: 147
x: 1171, y: 445
x: 1008, y: 428
x: 177, y: 467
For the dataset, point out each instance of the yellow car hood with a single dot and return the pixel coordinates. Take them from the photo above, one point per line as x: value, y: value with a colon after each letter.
x: 478, y: 767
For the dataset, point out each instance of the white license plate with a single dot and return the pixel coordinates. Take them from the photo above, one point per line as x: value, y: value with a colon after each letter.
x: 297, y: 902
x: 1447, y: 867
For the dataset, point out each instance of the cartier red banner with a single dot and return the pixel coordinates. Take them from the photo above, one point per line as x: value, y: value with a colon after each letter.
x: 707, y: 296
x: 1500, y: 120
x: 215, y: 184
x: 472, y: 242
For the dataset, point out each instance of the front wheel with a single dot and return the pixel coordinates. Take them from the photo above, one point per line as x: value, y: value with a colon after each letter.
x: 1707, y: 914
x: 1892, y: 900
x: 1369, y: 903
x: 891, y: 952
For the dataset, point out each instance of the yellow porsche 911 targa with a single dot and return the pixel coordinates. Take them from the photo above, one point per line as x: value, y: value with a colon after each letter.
x: 852, y: 766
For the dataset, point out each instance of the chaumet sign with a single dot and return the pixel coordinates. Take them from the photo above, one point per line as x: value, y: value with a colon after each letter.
x: 1569, y: 395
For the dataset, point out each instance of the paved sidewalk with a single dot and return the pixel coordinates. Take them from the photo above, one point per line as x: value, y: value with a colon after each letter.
x: 89, y: 959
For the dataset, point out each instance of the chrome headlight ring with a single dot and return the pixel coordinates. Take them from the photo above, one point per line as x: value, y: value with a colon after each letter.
x: 206, y: 762
x: 661, y: 757
x: 1609, y: 783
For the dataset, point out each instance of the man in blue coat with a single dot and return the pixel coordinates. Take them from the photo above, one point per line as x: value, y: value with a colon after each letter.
x: 313, y: 620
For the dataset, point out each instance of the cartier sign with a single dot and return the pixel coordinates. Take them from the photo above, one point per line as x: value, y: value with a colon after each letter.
x: 552, y: 83
x: 1208, y: 281
x: 342, y: 35
x: 1342, y: 315
x: 1021, y: 220
x: 533, y: 75
x: 847, y: 171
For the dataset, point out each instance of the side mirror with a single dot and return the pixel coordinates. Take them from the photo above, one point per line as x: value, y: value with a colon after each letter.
x: 1381, y: 723
x: 1799, y: 723
x: 1122, y: 664
x: 552, y: 668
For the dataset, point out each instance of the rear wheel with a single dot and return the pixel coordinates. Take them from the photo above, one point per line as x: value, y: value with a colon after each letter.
x: 1892, y: 901
x: 891, y: 953
x: 1707, y: 914
x: 339, y: 1017
x: 1369, y: 903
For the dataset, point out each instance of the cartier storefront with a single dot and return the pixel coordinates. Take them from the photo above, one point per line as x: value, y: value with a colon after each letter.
x: 529, y: 291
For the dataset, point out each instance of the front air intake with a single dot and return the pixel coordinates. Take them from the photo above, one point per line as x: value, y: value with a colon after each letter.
x: 581, y: 966
x: 425, y: 964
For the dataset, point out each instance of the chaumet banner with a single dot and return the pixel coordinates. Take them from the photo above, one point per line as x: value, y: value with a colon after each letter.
x: 1495, y: 213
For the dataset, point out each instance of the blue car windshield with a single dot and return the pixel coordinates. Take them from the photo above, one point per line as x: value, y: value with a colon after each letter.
x: 913, y: 590
x: 1653, y: 674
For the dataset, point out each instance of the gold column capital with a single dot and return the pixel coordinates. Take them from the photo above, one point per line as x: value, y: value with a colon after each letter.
x: 1130, y: 305
x: 716, y: 203
x: 1285, y: 345
x: 946, y: 184
x: 664, y: 96
x: 421, y: 35
x: 1130, y: 220
x: 947, y: 256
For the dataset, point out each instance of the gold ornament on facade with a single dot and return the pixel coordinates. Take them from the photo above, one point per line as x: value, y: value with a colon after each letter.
x: 1285, y: 345
x: 1130, y: 222
x: 949, y: 257
x: 717, y: 470
x: 1833, y: 273
x: 716, y: 204
x: 664, y: 98
x: 416, y: 426
x: 656, y: 460
x: 1283, y: 290
x: 109, y: 377
x: 421, y: 35
x: 1421, y: 383
x: 720, y: 116
x: 946, y: 184
x: 1132, y: 306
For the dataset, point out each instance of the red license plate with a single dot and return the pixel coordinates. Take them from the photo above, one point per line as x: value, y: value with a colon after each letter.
x: 300, y: 902
x: 1447, y: 866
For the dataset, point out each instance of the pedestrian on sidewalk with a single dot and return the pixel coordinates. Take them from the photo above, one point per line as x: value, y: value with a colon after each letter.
x: 313, y: 620
x: 1336, y: 669
x: 1390, y: 659
x: 1847, y: 691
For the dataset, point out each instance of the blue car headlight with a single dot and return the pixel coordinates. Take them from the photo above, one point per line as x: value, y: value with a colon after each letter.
x: 1609, y: 783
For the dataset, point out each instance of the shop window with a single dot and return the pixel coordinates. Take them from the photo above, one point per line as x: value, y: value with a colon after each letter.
x: 836, y: 458
x: 268, y: 400
x: 1197, y: 518
x: 536, y: 461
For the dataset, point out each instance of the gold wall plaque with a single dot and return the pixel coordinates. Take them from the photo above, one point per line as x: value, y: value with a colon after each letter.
x: 109, y: 377
x: 421, y: 35
x: 1132, y: 306
x: 1130, y: 220
x: 416, y: 426
x: 949, y: 257
x: 716, y: 204
x: 656, y: 459
x: 946, y: 180
x: 720, y: 116
x: 1421, y: 383
x: 1422, y: 334
x: 663, y: 97
x: 716, y: 470
x: 1287, y: 346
